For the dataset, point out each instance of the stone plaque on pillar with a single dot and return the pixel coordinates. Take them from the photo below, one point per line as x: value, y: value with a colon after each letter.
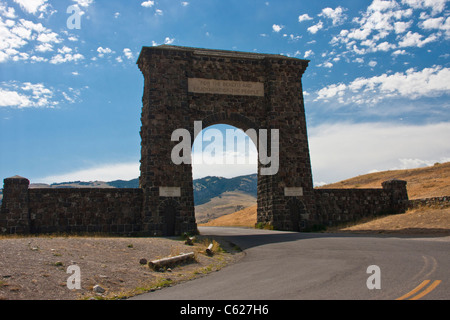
x: 293, y: 192
x: 173, y: 192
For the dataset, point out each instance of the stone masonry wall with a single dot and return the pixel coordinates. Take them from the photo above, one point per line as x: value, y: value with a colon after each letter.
x: 343, y: 205
x: 436, y: 202
x: 114, y: 211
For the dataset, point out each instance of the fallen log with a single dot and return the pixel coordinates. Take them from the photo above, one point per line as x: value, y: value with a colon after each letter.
x: 165, y: 262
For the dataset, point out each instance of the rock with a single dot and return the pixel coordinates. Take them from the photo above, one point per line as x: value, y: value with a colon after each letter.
x: 143, y: 261
x: 98, y: 289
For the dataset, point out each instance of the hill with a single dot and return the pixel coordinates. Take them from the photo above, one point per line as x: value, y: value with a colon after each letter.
x: 427, y: 182
x: 422, y: 183
x: 208, y: 188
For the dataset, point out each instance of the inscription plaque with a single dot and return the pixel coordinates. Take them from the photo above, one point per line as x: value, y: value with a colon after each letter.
x: 170, y: 192
x: 293, y: 192
x: 235, y: 88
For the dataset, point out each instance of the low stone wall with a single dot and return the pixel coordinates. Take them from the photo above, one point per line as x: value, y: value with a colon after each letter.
x: 120, y: 211
x: 436, y: 202
x: 340, y: 205
x: 335, y: 206
x: 114, y: 211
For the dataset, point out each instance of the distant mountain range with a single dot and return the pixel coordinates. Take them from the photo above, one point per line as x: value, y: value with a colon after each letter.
x: 205, y: 189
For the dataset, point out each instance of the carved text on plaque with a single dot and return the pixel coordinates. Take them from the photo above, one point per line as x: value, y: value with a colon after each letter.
x: 235, y: 88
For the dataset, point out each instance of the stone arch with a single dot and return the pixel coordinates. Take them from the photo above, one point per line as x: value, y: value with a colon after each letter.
x: 246, y: 90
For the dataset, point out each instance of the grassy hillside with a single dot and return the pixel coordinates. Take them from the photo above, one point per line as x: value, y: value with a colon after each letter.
x: 224, y: 204
x: 425, y: 182
x: 422, y: 183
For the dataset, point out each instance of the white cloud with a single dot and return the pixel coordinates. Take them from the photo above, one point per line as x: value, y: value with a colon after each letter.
x: 168, y: 40
x: 13, y: 99
x: 128, y: 54
x: 304, y: 17
x: 402, y: 26
x: 344, y: 150
x: 184, y: 3
x: 102, y: 51
x: 414, y: 39
x: 62, y: 58
x: 158, y: 12
x: 412, y: 84
x: 277, y: 28
x: 336, y: 15
x: 49, y: 37
x: 308, y: 53
x: 313, y: 29
x: 84, y: 3
x: 372, y: 63
x: 44, y: 47
x: 437, y: 6
x: 32, y: 6
x: 7, y: 12
x: 107, y: 172
x: 381, y: 19
x: 399, y: 52
x: 26, y: 95
x: 326, y: 64
x: 148, y: 4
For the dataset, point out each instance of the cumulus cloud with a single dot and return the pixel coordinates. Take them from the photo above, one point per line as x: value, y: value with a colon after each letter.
x: 148, y: 4
x: 16, y: 34
x: 412, y: 84
x: 414, y: 39
x: 336, y: 15
x: 168, y: 40
x: 308, y: 53
x: 304, y: 17
x: 436, y: 6
x: 277, y: 28
x: 33, y: 6
x: 314, y: 28
x: 66, y: 57
x: 26, y: 95
x: 84, y: 3
x: 386, y: 24
x: 128, y: 54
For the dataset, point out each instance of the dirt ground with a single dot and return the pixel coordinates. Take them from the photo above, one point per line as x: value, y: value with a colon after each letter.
x: 35, y: 268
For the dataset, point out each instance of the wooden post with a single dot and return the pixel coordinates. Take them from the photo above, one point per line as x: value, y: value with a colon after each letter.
x: 209, y: 250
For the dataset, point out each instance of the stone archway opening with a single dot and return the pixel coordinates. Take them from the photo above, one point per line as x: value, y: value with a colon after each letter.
x: 225, y: 167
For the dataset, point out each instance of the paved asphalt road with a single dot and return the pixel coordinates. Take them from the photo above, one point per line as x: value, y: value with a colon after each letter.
x: 290, y: 266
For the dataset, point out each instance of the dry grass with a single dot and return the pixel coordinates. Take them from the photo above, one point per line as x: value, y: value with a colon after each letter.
x: 422, y: 221
x: 422, y: 183
x: 242, y: 218
x: 227, y: 203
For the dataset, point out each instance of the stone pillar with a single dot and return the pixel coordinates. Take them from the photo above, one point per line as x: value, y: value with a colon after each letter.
x: 399, y: 194
x: 14, y: 216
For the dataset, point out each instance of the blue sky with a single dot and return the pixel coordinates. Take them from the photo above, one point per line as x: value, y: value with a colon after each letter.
x: 376, y: 90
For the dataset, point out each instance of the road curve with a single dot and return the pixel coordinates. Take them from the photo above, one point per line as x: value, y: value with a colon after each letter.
x: 289, y: 266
